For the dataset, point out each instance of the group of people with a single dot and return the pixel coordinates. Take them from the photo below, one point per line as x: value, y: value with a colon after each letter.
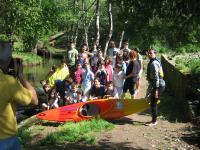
x: 93, y: 76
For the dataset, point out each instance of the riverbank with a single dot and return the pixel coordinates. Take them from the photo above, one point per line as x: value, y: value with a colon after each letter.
x: 29, y: 59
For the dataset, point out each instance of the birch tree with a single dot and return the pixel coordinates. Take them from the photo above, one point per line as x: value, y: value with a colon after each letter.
x: 110, y: 25
x: 97, y: 22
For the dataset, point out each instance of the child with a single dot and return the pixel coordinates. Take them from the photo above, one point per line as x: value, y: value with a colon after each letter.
x: 111, y: 91
x: 80, y: 59
x: 97, y: 90
x: 79, y: 96
x: 51, y: 71
x: 100, y: 58
x: 118, y: 79
x: 63, y: 87
x: 109, y: 68
x: 87, y: 79
x: 101, y: 73
x: 94, y: 57
x: 119, y: 60
x: 72, y: 55
x: 77, y: 74
x: 71, y: 98
x: 54, y: 99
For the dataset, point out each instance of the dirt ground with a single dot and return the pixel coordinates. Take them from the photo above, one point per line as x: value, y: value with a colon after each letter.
x: 130, y: 133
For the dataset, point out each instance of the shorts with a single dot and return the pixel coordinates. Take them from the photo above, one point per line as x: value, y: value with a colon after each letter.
x: 128, y: 85
x: 11, y: 143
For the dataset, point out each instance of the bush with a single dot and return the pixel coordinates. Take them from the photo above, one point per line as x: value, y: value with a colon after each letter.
x: 189, y: 48
x: 18, y: 47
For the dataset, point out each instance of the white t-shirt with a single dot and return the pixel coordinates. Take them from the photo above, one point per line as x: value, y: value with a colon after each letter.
x: 118, y: 78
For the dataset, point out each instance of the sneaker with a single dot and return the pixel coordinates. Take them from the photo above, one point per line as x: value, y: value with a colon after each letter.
x: 152, y: 123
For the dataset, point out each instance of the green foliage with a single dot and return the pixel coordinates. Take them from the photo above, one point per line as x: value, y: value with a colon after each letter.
x: 191, y: 64
x: 28, y: 58
x: 188, y: 64
x: 160, y: 47
x: 18, y: 47
x: 188, y: 48
x: 4, y: 38
x: 75, y: 132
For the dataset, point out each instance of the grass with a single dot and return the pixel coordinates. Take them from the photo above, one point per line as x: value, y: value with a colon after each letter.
x: 28, y: 58
x: 76, y: 132
x: 69, y: 132
x: 23, y: 135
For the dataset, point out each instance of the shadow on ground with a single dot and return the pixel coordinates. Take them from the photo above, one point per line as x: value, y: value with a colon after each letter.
x: 126, y: 120
x: 193, y: 137
x: 101, y: 145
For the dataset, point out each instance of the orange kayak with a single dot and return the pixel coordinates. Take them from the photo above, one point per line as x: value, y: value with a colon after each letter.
x: 107, y: 109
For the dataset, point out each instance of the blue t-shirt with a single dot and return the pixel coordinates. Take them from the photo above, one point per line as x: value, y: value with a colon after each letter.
x: 87, y: 77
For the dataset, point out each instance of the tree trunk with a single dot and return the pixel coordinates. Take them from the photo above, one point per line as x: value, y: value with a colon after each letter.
x: 54, y: 37
x: 111, y: 27
x: 97, y: 22
x: 121, y: 39
x: 76, y: 35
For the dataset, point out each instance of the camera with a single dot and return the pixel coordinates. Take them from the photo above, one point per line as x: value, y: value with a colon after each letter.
x: 15, y: 67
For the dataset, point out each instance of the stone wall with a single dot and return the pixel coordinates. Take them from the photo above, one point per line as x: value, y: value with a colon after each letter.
x: 177, y: 82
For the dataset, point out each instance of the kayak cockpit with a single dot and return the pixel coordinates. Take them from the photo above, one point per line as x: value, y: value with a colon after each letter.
x: 89, y: 109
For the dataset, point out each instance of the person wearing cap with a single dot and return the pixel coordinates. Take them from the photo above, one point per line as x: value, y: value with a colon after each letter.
x: 13, y: 91
x: 156, y: 83
x: 118, y: 79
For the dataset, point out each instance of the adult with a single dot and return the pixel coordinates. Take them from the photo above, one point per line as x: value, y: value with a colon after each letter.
x: 131, y: 76
x: 13, y: 91
x: 156, y: 83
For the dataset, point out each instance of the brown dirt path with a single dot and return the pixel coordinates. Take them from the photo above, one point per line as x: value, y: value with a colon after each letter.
x: 131, y: 133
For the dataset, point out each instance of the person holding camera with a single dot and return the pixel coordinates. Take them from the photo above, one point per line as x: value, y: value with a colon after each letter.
x: 14, y: 90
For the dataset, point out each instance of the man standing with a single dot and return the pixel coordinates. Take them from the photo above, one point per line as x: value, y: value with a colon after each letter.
x: 156, y: 83
x: 13, y: 91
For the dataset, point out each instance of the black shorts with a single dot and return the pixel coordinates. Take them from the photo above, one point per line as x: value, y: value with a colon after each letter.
x: 129, y: 85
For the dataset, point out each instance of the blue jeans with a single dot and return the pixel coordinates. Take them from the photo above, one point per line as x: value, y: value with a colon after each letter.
x: 11, y: 143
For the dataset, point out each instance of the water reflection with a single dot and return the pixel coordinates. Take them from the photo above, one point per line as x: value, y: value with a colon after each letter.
x: 36, y: 73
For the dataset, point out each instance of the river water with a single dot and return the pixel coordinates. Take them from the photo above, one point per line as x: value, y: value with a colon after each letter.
x: 37, y: 73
